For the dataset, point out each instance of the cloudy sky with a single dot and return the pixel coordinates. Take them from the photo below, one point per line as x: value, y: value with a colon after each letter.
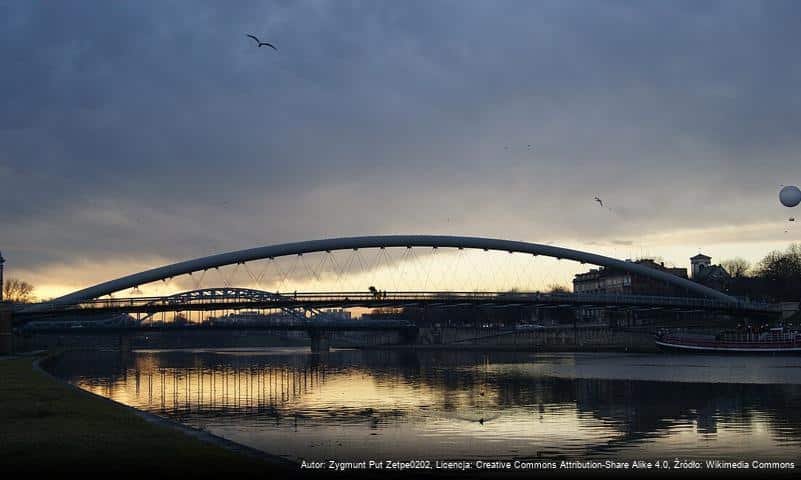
x: 139, y: 133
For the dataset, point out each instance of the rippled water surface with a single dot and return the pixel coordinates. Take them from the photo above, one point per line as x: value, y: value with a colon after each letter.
x: 444, y: 404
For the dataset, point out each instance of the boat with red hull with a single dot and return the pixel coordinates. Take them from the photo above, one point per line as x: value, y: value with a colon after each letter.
x: 774, y: 341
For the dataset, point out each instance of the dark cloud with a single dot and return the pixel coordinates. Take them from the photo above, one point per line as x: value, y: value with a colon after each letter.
x: 151, y: 127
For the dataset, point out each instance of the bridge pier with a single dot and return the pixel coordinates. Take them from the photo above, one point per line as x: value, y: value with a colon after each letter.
x: 320, y: 341
x: 6, y: 333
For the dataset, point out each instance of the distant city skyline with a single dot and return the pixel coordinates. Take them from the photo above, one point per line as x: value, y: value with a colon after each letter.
x: 152, y: 133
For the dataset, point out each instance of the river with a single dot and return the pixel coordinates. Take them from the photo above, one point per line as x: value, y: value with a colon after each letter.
x: 402, y: 404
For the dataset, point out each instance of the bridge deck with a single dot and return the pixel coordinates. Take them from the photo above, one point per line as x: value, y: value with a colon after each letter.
x: 321, y: 300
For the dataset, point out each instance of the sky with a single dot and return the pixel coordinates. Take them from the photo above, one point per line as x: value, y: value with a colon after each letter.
x: 141, y: 133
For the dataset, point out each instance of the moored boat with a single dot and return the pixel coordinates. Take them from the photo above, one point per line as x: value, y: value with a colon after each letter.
x: 774, y: 341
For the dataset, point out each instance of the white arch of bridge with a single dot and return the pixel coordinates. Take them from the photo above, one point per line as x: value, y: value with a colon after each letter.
x: 380, y: 241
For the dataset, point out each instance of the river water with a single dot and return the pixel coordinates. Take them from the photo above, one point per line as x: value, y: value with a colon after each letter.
x: 398, y: 404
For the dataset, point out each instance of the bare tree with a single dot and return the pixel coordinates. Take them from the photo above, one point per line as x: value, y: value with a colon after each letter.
x: 737, y: 267
x: 17, y: 291
x: 655, y: 259
x: 556, y: 288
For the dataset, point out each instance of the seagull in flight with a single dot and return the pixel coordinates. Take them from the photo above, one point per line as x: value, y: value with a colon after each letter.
x: 261, y: 44
x: 601, y: 202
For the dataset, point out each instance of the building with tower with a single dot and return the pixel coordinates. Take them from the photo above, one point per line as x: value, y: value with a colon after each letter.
x: 703, y: 272
x: 610, y: 281
x: 698, y: 263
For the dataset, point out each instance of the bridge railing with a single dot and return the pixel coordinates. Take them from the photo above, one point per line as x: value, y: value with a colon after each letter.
x: 316, y: 299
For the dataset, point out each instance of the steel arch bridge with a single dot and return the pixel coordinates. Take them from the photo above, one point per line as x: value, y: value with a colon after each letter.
x: 91, y: 297
x: 204, y: 299
x: 302, y: 305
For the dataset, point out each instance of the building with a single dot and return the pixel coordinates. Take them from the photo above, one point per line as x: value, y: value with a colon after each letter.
x: 615, y: 282
x: 699, y: 262
x: 611, y: 281
x: 703, y: 272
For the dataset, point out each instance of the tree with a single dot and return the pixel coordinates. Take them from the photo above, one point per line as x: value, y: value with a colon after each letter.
x: 737, y: 267
x: 556, y: 288
x: 17, y: 291
x: 655, y: 259
x: 780, y: 272
x: 781, y: 265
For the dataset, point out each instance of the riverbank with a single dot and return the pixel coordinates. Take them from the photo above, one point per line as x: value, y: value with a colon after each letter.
x: 47, y: 425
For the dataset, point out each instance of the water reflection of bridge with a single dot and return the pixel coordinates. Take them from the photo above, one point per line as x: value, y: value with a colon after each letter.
x: 232, y: 389
x: 300, y: 388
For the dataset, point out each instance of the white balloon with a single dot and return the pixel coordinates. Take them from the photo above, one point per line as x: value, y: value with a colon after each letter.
x: 790, y: 196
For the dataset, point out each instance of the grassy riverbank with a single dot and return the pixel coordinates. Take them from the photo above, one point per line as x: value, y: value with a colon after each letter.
x: 46, y: 425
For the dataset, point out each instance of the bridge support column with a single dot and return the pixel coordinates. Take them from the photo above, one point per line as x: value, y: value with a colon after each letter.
x: 320, y: 341
x: 6, y: 333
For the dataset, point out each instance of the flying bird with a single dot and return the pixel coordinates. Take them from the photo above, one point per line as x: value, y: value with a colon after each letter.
x: 261, y: 44
x: 601, y: 202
